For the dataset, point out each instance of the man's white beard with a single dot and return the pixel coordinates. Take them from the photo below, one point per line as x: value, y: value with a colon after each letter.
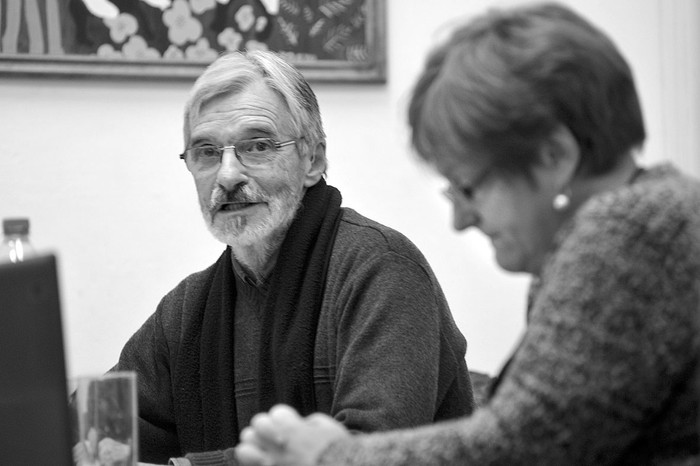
x: 254, y: 243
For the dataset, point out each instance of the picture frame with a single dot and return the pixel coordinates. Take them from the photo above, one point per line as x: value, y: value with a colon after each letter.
x: 328, y: 40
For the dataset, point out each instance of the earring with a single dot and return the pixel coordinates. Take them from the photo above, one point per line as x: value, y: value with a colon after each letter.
x: 562, y: 201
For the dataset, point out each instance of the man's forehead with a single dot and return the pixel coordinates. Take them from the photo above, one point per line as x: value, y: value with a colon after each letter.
x: 264, y: 107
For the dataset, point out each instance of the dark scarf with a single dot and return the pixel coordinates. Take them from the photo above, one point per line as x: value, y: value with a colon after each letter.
x: 204, y: 399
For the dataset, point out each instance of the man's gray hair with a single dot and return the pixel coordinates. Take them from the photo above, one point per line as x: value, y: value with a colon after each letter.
x: 233, y: 72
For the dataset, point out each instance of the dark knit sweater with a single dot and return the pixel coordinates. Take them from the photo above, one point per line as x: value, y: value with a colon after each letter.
x: 388, y: 353
x: 606, y: 372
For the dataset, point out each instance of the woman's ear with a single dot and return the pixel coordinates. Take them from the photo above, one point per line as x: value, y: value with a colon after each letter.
x: 560, y: 155
x: 316, y: 164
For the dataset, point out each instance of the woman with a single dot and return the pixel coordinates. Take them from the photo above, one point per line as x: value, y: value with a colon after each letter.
x: 532, y: 116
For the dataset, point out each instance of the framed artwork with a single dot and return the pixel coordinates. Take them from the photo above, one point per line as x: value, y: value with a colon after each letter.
x: 328, y: 40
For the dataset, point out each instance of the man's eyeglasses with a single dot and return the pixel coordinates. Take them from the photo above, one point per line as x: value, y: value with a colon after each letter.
x: 250, y: 152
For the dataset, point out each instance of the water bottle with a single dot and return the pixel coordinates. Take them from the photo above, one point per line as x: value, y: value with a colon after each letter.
x: 16, y: 246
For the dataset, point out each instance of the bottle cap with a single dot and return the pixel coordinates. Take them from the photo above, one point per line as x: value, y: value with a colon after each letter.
x: 15, y: 226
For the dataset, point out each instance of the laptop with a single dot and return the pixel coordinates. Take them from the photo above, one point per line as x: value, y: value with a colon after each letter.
x: 34, y: 413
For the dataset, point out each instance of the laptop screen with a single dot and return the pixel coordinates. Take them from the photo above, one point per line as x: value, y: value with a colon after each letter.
x: 34, y: 415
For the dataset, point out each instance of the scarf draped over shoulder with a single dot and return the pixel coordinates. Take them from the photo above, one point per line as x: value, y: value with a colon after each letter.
x: 204, y: 401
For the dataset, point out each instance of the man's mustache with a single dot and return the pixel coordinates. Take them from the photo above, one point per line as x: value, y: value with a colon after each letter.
x: 240, y: 194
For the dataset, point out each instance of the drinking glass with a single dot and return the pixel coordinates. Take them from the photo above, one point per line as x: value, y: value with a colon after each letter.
x: 105, y: 420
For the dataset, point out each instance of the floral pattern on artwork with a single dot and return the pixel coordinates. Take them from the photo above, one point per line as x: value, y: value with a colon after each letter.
x: 184, y: 30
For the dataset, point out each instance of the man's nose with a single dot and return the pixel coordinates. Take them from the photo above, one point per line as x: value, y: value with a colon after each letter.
x: 231, y: 172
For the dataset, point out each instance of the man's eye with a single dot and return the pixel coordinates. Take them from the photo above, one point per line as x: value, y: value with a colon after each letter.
x: 257, y: 146
x: 207, y: 152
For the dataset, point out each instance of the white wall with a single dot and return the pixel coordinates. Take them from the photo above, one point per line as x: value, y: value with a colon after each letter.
x: 94, y: 165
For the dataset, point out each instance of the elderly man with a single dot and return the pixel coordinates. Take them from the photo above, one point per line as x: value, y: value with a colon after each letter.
x: 311, y: 304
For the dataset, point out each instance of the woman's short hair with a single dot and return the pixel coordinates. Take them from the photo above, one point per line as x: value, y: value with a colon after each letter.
x: 503, y: 82
x: 233, y: 72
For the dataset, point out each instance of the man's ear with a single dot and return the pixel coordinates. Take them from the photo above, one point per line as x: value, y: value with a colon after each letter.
x: 316, y: 164
x: 560, y: 155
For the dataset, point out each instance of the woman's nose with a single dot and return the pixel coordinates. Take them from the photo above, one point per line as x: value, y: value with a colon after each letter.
x: 465, y: 216
x: 231, y: 172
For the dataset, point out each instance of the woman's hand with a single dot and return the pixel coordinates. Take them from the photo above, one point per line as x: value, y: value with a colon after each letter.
x: 283, y: 438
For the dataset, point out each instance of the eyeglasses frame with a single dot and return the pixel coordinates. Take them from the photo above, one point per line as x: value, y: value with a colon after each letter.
x: 466, y: 192
x: 278, y: 146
